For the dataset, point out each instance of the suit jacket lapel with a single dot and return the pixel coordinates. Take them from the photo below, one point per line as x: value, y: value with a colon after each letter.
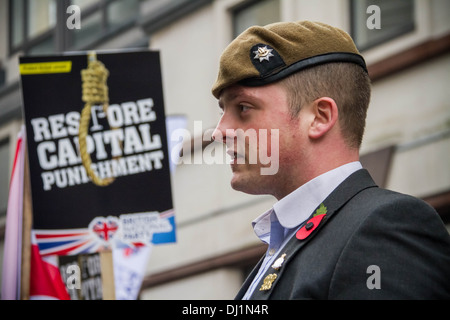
x: 354, y: 184
x: 249, y: 280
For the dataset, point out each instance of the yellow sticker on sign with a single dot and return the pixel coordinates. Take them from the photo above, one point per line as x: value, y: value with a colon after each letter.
x: 45, y: 67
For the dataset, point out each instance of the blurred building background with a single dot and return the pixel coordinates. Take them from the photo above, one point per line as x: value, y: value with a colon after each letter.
x: 407, y: 140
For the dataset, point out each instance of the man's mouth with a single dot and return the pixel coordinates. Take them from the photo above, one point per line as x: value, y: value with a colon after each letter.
x: 236, y: 158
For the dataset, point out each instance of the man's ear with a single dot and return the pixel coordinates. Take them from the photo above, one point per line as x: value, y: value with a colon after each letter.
x: 325, y: 116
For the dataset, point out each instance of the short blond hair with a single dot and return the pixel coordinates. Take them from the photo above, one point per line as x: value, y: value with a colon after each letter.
x: 346, y: 83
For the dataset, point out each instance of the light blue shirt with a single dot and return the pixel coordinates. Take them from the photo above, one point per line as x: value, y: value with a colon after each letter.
x: 277, y: 225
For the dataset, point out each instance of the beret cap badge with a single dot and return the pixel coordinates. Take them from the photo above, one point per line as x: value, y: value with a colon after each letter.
x: 265, y: 59
x: 263, y: 53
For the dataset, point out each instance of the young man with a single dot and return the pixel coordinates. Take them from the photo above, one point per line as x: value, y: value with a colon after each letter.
x: 333, y: 234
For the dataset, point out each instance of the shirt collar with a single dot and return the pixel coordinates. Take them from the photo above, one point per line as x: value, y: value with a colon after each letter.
x: 296, y: 207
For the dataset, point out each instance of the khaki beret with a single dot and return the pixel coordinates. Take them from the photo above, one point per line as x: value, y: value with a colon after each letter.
x: 263, y: 55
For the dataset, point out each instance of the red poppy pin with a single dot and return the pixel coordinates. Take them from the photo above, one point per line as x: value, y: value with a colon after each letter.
x: 312, y: 223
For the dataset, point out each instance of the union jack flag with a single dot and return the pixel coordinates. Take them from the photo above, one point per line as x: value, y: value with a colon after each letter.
x: 105, y: 228
x: 102, y: 232
x: 66, y: 241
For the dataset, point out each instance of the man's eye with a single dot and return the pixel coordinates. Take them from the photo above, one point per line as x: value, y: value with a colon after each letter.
x: 244, y: 108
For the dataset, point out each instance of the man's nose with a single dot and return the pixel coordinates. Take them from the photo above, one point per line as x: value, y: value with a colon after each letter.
x: 224, y: 130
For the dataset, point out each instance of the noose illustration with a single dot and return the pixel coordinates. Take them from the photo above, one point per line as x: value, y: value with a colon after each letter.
x: 94, y: 92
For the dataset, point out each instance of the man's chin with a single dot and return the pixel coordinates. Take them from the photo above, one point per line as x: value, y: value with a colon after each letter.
x: 246, y: 184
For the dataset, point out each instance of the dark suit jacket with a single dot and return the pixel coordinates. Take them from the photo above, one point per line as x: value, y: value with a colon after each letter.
x: 365, y: 226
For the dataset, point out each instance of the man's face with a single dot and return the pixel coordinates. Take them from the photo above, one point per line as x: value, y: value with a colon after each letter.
x: 262, y: 138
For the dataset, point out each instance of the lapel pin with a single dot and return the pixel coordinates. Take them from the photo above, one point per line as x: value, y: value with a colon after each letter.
x: 321, y: 210
x: 312, y: 223
x: 268, y: 280
x: 279, y: 262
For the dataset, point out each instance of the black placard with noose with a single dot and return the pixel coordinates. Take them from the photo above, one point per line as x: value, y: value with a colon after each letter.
x: 97, y: 148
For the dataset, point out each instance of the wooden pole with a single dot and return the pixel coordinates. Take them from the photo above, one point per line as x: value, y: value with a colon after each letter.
x: 108, y: 286
x: 26, y: 231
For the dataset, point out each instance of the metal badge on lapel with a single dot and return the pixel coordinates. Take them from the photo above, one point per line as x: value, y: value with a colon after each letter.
x: 267, y: 284
x: 269, y: 279
x: 312, y: 223
x: 279, y: 262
